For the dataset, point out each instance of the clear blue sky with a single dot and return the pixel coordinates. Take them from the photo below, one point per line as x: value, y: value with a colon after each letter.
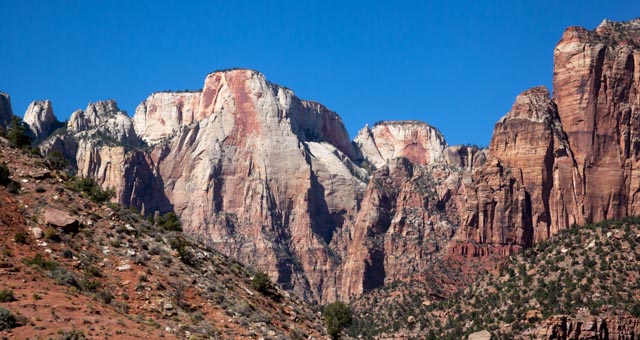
x: 456, y: 65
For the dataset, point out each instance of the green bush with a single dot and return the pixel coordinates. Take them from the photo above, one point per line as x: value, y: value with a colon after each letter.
x: 169, y: 222
x: 92, y: 190
x: 262, y: 283
x: 72, y: 335
x: 7, y: 319
x: 20, y: 237
x: 6, y: 295
x: 337, y: 316
x: 39, y: 261
x: 17, y: 134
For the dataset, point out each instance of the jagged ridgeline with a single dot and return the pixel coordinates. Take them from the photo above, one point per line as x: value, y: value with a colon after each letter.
x: 274, y: 181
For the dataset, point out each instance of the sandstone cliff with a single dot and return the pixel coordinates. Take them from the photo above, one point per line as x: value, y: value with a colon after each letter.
x: 274, y: 180
x: 41, y: 119
x: 596, y: 87
x: 570, y: 159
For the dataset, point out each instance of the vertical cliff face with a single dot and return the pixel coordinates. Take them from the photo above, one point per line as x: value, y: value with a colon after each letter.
x: 596, y: 84
x: 528, y: 190
x: 569, y: 160
x: 5, y: 110
x: 41, y: 119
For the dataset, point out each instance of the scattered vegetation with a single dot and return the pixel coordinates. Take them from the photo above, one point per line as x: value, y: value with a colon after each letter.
x: 91, y: 189
x: 595, y: 268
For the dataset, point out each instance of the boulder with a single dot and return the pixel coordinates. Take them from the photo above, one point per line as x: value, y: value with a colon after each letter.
x: 61, y: 219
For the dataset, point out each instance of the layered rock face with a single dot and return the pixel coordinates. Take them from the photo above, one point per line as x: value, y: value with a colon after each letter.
x: 418, y: 142
x: 41, y: 119
x: 569, y: 160
x: 164, y: 113
x: 526, y: 192
x: 596, y: 87
x: 584, y: 326
x: 5, y: 110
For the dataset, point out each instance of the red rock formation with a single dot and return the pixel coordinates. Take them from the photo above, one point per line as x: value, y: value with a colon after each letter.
x: 597, y: 88
x: 584, y: 326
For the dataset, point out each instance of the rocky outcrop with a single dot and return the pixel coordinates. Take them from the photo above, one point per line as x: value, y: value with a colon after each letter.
x: 584, y: 326
x: 103, y: 123
x: 61, y: 219
x: 418, y: 142
x: 6, y: 113
x: 40, y: 119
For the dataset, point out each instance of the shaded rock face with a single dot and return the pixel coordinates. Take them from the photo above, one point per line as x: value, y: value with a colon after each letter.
x: 40, y: 119
x: 416, y: 141
x: 526, y: 192
x: 6, y: 113
x: 409, y: 213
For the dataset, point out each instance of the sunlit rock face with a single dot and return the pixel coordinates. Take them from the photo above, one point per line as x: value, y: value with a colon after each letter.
x: 41, y: 119
x: 596, y: 87
x: 418, y: 142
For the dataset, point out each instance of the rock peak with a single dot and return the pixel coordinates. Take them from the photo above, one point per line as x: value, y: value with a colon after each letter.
x: 40, y: 118
x: 417, y: 141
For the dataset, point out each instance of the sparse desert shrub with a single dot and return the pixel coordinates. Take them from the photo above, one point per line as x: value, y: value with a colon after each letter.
x: 39, y: 261
x: 262, y: 283
x: 6, y: 295
x: 73, y: 334
x: 7, y: 319
x: 51, y: 233
x: 20, y: 237
x: 67, y: 254
x: 92, y: 190
x: 13, y: 187
x: 105, y: 297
